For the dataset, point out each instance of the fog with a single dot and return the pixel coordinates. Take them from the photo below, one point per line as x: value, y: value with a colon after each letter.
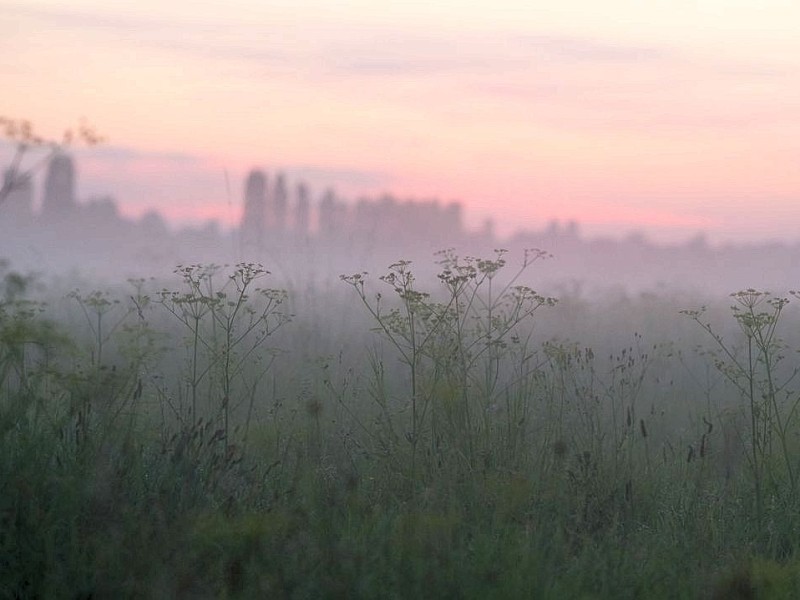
x: 308, y: 237
x: 600, y: 369
x: 611, y: 293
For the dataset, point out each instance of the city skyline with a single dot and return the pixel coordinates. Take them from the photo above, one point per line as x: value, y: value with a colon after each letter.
x: 50, y: 195
x: 669, y: 118
x: 268, y: 207
x: 304, y: 232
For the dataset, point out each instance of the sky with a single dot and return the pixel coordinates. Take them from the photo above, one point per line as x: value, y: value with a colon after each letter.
x: 668, y: 117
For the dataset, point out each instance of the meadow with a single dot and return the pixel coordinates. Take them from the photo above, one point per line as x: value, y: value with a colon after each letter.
x: 213, y: 435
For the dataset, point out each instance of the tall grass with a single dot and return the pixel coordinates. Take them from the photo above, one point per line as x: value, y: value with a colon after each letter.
x: 443, y: 438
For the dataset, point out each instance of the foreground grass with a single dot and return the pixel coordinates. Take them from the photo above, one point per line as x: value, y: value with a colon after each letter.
x: 223, y: 483
x: 134, y: 530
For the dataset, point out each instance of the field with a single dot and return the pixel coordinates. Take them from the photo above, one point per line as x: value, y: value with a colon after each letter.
x: 383, y: 436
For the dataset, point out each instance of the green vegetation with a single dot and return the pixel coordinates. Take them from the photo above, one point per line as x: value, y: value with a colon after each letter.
x: 218, y: 439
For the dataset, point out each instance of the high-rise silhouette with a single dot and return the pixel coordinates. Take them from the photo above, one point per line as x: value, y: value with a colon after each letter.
x: 59, y: 188
x: 302, y: 212
x: 280, y: 203
x: 254, y: 217
x: 327, y: 214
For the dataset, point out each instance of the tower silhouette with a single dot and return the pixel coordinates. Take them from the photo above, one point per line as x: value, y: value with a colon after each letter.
x: 302, y: 212
x: 59, y: 188
x: 327, y: 214
x: 280, y: 202
x: 254, y: 217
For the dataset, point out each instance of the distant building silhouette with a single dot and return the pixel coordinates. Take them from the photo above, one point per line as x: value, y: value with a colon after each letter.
x: 254, y: 217
x: 101, y: 211
x: 572, y: 230
x: 453, y: 215
x: 18, y: 205
x: 376, y: 222
x: 388, y: 220
x: 327, y: 208
x: 153, y: 223
x: 302, y: 212
x: 332, y: 216
x: 487, y: 231
x: 58, y: 201
x: 280, y: 203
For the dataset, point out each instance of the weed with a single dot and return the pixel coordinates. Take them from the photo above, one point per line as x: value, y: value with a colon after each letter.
x: 455, y: 348
x: 754, y: 370
x: 459, y: 452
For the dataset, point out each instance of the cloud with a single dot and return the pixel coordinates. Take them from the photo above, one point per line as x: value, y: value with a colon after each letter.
x: 637, y: 106
x: 587, y: 49
x: 663, y: 91
x: 567, y: 81
x: 127, y: 154
x: 409, y: 65
x: 205, y: 39
x: 398, y: 53
x: 377, y: 53
x: 93, y: 20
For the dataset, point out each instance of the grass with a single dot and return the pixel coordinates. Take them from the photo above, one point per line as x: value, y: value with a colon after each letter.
x: 209, y: 438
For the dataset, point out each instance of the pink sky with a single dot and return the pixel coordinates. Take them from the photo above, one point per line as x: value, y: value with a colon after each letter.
x: 665, y: 116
